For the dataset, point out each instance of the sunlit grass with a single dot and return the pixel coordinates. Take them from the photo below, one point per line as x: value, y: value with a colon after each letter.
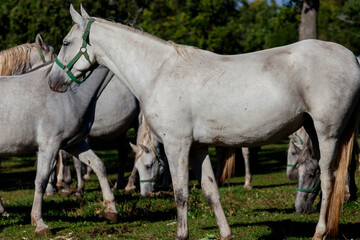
x: 265, y: 212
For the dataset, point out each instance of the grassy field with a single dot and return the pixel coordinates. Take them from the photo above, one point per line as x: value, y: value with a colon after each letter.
x: 265, y: 212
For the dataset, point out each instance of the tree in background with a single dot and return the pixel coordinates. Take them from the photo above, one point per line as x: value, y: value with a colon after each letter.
x: 309, y: 16
x: 221, y: 26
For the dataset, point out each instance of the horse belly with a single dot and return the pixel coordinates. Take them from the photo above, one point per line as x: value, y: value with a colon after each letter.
x: 252, y: 119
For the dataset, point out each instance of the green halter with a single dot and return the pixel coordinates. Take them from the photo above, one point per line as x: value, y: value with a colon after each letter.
x: 83, y: 51
x: 41, y: 55
x: 313, y: 190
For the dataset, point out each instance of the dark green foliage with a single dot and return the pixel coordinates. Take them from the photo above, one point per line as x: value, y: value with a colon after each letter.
x: 221, y: 26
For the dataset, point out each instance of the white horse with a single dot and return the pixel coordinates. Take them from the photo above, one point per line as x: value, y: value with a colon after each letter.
x: 116, y: 111
x: 149, y: 160
x: 37, y: 119
x: 194, y: 97
x: 25, y: 57
x: 303, y: 167
x: 21, y: 59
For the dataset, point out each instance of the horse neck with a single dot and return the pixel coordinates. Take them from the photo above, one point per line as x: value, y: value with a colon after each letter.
x: 136, y: 58
x: 91, y: 89
x: 15, y: 60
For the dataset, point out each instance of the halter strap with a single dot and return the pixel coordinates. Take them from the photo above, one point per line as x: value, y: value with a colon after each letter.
x: 313, y: 190
x: 157, y: 175
x: 301, y: 141
x: 82, y: 51
x: 41, y: 55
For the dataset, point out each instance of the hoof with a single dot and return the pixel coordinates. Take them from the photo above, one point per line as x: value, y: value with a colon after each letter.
x: 87, y: 177
x: 49, y: 194
x: 79, y: 195
x: 5, y: 214
x: 248, y: 187
x: 111, y: 216
x: 65, y: 193
x: 231, y: 237
x: 318, y: 236
x: 129, y: 191
x: 46, y: 232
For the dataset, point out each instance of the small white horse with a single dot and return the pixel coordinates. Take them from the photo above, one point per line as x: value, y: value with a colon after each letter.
x: 37, y: 119
x: 194, y: 97
x: 21, y: 59
x: 116, y: 111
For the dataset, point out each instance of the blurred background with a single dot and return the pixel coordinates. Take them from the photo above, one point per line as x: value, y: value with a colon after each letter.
x: 221, y: 26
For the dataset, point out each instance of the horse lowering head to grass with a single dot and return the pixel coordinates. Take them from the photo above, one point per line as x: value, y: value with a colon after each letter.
x: 25, y: 57
x: 304, y: 167
x: 191, y: 97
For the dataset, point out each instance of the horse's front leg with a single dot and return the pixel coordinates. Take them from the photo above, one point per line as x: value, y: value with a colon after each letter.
x: 46, y: 161
x: 246, y: 152
x: 178, y: 159
x: 130, y: 186
x: 200, y: 162
x: 83, y: 152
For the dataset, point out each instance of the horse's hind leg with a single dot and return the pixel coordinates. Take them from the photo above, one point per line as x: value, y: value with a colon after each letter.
x: 51, y: 188
x: 83, y: 152
x: 200, y: 162
x: 2, y: 209
x: 60, y: 170
x: 80, y: 185
x: 46, y: 161
x: 123, y: 150
x: 247, y: 155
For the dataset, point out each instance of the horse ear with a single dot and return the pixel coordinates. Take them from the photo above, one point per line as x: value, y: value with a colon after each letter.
x: 83, y: 12
x: 40, y: 41
x: 133, y: 146
x: 76, y: 17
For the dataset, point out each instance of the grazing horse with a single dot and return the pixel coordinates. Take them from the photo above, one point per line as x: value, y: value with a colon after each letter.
x: 303, y: 167
x: 192, y: 97
x: 149, y: 160
x: 25, y: 57
x: 37, y: 119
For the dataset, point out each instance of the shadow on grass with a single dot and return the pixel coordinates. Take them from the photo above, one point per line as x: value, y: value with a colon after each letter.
x: 276, y: 210
x: 287, y: 229
x: 54, y: 211
x: 17, y: 180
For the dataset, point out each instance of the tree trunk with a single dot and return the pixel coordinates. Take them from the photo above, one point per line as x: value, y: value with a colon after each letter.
x: 309, y: 14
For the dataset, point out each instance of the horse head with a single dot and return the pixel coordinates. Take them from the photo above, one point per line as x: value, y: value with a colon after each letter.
x: 45, y: 53
x: 149, y: 165
x: 306, y: 171
x: 69, y: 66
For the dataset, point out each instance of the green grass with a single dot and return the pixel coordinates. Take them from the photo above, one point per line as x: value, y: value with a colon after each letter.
x: 265, y: 212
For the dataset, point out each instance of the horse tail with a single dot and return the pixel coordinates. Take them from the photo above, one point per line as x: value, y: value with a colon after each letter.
x: 227, y: 166
x: 340, y: 165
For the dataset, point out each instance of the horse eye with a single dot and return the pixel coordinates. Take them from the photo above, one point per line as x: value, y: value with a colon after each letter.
x: 65, y: 43
x: 148, y: 167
